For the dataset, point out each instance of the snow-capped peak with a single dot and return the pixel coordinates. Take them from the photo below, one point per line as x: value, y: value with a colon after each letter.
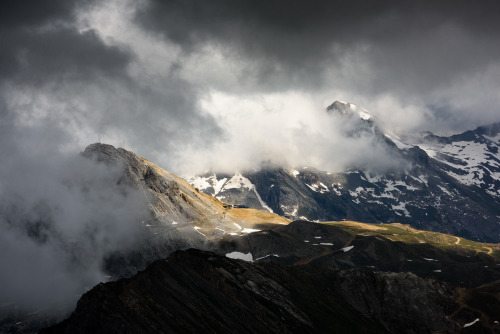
x: 345, y: 108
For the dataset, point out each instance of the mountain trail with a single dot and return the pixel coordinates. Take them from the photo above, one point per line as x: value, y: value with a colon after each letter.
x: 490, y: 250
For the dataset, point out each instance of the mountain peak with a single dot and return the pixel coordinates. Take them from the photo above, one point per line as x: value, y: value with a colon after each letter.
x: 106, y: 153
x: 348, y: 108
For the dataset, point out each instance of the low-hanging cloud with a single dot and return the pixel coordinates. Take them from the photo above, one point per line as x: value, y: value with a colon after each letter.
x: 61, y: 215
x: 322, y: 140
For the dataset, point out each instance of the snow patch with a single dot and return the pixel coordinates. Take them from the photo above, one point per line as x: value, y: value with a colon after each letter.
x: 401, y: 207
x: 321, y: 188
x: 396, y: 140
x: 249, y: 230
x: 199, y: 182
x: 238, y: 181
x: 268, y: 255
x: 471, y: 323
x: 444, y: 190
x: 196, y: 228
x: 218, y: 185
x: 290, y: 211
x: 348, y: 248
x: 431, y: 152
x: 240, y: 256
x: 264, y: 205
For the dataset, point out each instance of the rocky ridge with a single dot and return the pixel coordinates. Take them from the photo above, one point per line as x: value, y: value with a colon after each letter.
x: 181, y: 216
x: 194, y: 291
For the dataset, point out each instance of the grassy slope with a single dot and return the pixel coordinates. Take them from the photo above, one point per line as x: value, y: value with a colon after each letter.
x: 407, y: 234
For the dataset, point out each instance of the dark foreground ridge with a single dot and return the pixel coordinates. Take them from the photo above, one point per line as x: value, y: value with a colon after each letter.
x: 200, y: 292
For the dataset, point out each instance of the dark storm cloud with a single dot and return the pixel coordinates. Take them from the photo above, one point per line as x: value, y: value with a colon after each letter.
x: 62, y: 87
x: 51, y: 68
x: 27, y: 13
x: 261, y: 26
x: 37, y: 56
x: 411, y: 47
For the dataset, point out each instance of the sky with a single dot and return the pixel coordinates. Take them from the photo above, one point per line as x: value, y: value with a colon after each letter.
x: 223, y: 85
x: 200, y: 85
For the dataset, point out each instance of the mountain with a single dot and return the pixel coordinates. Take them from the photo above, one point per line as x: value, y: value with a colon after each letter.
x: 297, y: 276
x: 181, y: 216
x: 194, y: 291
x: 320, y: 276
x: 447, y: 184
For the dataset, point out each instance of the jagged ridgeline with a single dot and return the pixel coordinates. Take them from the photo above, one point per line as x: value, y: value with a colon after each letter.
x: 445, y: 184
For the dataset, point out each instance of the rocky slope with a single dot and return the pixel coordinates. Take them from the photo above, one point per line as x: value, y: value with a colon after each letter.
x: 194, y: 291
x: 181, y: 216
x: 446, y: 184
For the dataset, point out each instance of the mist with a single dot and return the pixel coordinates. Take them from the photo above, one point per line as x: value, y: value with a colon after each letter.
x: 297, y: 132
x: 61, y: 215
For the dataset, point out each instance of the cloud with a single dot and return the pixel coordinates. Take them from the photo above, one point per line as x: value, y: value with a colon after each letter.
x: 137, y: 74
x: 25, y: 13
x: 297, y: 132
x: 408, y: 50
x: 38, y: 57
x: 89, y: 73
x: 61, y: 215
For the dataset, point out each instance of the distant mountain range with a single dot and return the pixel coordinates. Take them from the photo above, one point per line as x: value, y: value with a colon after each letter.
x: 447, y: 184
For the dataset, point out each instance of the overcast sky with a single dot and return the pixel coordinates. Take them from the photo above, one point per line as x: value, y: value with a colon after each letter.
x: 198, y: 84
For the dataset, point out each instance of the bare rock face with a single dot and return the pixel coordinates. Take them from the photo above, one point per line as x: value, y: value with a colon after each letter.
x: 169, y: 196
x: 195, y: 291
